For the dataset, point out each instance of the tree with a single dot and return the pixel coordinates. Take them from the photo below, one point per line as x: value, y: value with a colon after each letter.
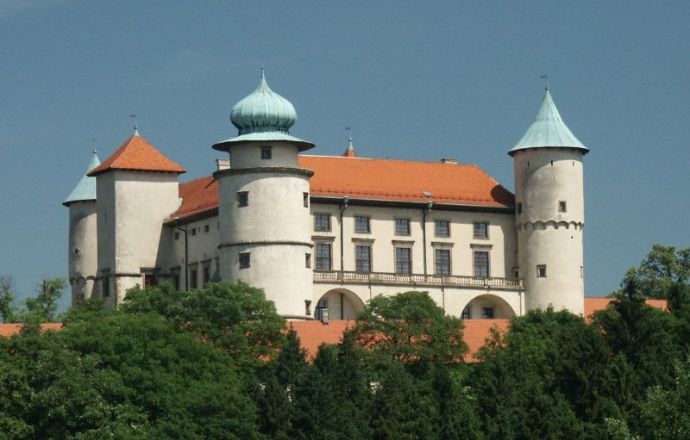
x: 662, y: 269
x: 7, y: 312
x: 409, y: 327
x: 44, y: 305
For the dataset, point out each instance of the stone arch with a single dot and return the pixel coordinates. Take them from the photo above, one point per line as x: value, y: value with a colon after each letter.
x: 487, y: 306
x: 341, y: 304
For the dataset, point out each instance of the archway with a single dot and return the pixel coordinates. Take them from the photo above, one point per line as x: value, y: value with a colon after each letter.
x: 488, y: 306
x: 338, y: 304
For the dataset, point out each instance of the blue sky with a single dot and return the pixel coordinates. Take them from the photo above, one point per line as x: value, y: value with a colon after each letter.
x: 415, y: 80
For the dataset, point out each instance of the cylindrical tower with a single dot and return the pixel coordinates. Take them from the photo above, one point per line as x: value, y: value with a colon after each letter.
x: 264, y: 212
x: 83, y: 236
x: 549, y: 213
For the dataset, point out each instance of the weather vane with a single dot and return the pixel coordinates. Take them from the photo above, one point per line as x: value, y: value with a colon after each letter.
x: 546, y: 81
x: 134, y: 122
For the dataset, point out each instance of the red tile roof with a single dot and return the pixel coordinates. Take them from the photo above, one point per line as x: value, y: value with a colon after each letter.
x: 594, y: 304
x: 138, y: 154
x: 374, y: 179
x: 7, y: 330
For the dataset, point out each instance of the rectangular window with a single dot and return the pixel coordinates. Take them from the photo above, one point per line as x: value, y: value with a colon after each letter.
x: 266, y: 153
x: 193, y: 231
x: 363, y: 258
x: 442, y: 260
x: 362, y: 224
x: 562, y: 206
x: 519, y: 208
x: 403, y: 260
x: 242, y: 198
x: 402, y: 226
x: 206, y: 228
x: 149, y: 280
x: 541, y: 271
x: 481, y: 230
x: 177, y: 235
x: 481, y: 264
x: 206, y: 274
x: 307, y: 261
x: 323, y: 256
x: 466, y: 313
x: 488, y: 313
x: 322, y: 222
x: 442, y: 228
x: 245, y: 260
x: 305, y: 200
x: 193, y: 278
x: 321, y: 309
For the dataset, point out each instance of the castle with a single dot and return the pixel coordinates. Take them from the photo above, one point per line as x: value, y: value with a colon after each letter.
x: 321, y: 235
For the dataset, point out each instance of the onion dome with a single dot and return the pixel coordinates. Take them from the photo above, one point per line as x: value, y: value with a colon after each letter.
x: 86, y: 188
x: 263, y: 116
x: 548, y: 130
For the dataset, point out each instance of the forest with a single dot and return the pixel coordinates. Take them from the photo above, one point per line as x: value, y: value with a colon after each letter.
x: 219, y: 363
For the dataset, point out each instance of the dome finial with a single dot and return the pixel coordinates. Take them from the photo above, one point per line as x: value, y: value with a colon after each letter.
x: 134, y: 123
x: 546, y: 81
x: 350, y: 151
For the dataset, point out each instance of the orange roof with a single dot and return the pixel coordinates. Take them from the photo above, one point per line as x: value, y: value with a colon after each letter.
x: 477, y: 331
x: 7, y: 330
x: 138, y: 154
x: 314, y: 333
x: 374, y: 179
x: 594, y: 304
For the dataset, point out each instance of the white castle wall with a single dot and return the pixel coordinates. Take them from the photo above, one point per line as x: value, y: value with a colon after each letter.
x: 82, y: 249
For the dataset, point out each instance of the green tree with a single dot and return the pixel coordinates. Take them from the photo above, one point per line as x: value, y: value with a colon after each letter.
x: 409, y: 327
x: 44, y: 305
x: 7, y: 312
x: 662, y: 269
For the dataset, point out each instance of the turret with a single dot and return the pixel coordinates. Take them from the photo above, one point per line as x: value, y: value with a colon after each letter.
x: 265, y: 234
x: 549, y: 213
x: 137, y: 190
x: 82, y: 255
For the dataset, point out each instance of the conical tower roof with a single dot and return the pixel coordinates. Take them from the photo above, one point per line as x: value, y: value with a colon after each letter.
x: 548, y: 130
x: 86, y: 188
x: 138, y: 154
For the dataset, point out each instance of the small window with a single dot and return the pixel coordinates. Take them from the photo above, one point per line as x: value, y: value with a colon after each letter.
x: 322, y: 222
x: 305, y: 200
x: 488, y: 313
x: 562, y: 206
x: 176, y: 280
x: 307, y: 262
x: 150, y: 280
x: 363, y: 258
x: 519, y: 208
x: 442, y: 228
x: 481, y: 230
x: 402, y: 226
x: 466, y: 314
x: 177, y: 235
x: 245, y: 260
x: 243, y: 198
x: 403, y: 260
x: 206, y: 228
x: 206, y: 273
x: 481, y: 264
x: 442, y: 261
x: 541, y: 271
x: 193, y: 231
x: 193, y: 278
x: 321, y: 309
x: 323, y: 256
x: 362, y: 225
x: 266, y: 153
x: 582, y: 272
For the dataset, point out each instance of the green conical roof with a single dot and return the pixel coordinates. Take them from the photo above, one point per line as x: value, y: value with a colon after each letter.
x: 86, y: 188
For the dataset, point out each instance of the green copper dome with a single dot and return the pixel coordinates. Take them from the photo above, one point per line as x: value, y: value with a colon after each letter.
x: 263, y: 110
x: 86, y: 188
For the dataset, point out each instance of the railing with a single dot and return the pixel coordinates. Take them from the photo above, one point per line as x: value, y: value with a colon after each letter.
x: 414, y: 279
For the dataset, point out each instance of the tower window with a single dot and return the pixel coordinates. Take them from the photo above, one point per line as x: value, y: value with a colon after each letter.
x: 177, y: 235
x: 481, y: 230
x: 562, y: 206
x: 402, y: 226
x: 362, y: 225
x: 541, y: 271
x: 322, y: 222
x: 193, y: 231
x: 243, y: 198
x: 305, y: 200
x: 245, y: 260
x: 307, y: 262
x: 442, y: 228
x: 206, y: 228
x: 266, y: 153
x: 519, y: 208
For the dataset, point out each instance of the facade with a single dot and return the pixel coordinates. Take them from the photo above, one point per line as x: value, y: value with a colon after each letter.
x: 324, y: 234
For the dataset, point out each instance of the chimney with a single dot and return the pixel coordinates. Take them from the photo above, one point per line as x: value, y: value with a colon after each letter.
x: 449, y: 160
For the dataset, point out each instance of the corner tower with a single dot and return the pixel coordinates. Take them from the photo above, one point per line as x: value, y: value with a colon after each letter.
x: 549, y: 213
x: 264, y: 203
x: 83, y: 235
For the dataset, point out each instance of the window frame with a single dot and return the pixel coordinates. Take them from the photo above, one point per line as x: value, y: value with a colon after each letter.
x: 562, y: 206
x: 447, y: 270
x: 242, y: 199
x: 402, y: 221
x: 360, y: 262
x: 266, y: 152
x: 436, y: 228
x: 317, y: 224
x: 320, y: 258
x: 367, y: 229
x: 541, y: 271
x: 245, y: 260
x: 476, y: 267
x: 399, y: 263
x: 477, y: 230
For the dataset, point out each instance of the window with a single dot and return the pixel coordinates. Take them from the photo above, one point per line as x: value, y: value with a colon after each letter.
x: 363, y: 258
x: 562, y: 206
x: 403, y: 260
x: 402, y: 226
x: 321, y: 309
x: 541, y: 271
x: 323, y: 256
x: 206, y: 273
x: 481, y: 230
x: 519, y: 208
x: 245, y: 260
x: 322, y: 222
x: 177, y: 235
x: 307, y: 262
x: 488, y: 313
x: 242, y: 198
x: 150, y: 280
x: 362, y: 224
x: 481, y: 264
x: 266, y: 153
x: 193, y: 278
x: 442, y: 260
x: 176, y: 278
x: 442, y: 228
x: 305, y: 200
x: 466, y: 314
x: 206, y: 228
x: 193, y: 231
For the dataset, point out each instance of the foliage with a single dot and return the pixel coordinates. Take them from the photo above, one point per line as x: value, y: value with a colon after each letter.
x: 7, y: 312
x: 44, y: 305
x: 409, y: 327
